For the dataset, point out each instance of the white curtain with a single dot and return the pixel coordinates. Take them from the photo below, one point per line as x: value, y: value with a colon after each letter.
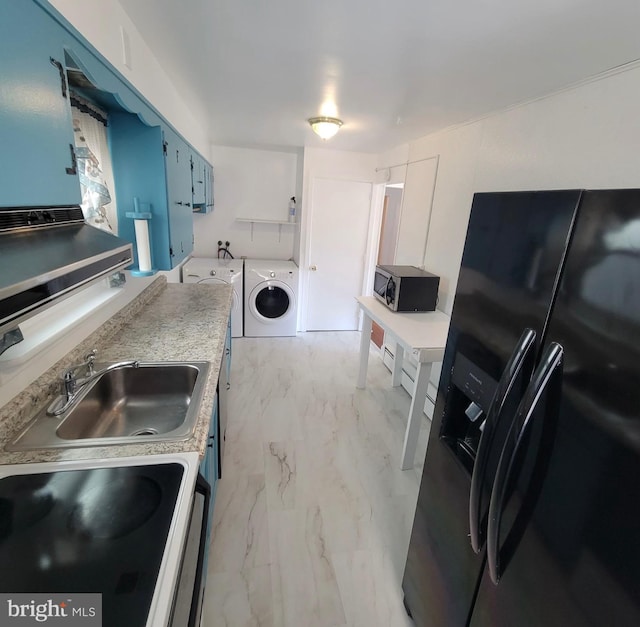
x: 95, y: 171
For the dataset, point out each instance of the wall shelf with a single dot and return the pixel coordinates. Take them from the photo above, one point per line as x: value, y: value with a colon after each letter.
x: 280, y: 224
x: 261, y: 221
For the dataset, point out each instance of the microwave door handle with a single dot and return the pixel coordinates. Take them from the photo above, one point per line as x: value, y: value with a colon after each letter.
x: 549, y: 371
x: 386, y: 291
x: 522, y: 352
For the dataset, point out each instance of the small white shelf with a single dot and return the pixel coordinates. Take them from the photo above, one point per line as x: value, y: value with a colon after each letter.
x: 280, y: 224
x: 261, y: 221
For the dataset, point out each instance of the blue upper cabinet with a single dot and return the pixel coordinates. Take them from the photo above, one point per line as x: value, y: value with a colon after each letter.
x: 138, y: 158
x: 42, y: 58
x: 179, y: 195
x: 205, y: 205
x: 198, y: 180
x: 209, y: 184
x: 153, y: 164
x: 37, y: 160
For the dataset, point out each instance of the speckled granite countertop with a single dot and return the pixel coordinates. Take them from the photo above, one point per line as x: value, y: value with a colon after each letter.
x: 166, y: 322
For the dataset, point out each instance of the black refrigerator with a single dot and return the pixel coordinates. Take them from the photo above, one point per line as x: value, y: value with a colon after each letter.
x: 528, y: 513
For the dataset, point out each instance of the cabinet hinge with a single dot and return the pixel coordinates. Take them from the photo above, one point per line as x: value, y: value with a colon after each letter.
x: 63, y: 78
x: 164, y: 148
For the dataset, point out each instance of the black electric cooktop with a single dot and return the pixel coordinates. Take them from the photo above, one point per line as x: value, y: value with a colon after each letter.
x: 95, y: 530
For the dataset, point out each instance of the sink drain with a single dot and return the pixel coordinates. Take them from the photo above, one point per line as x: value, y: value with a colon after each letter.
x: 147, y: 431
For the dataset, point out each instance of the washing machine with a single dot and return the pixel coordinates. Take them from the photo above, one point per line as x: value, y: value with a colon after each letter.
x: 211, y: 271
x: 270, y: 298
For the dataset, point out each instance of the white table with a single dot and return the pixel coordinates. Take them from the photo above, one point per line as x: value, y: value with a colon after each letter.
x: 422, y: 334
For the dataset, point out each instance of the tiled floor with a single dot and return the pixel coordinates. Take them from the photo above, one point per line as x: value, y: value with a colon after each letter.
x: 313, y: 514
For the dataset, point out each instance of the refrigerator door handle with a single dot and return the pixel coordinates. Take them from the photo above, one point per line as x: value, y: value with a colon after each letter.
x: 550, y: 363
x: 521, y: 354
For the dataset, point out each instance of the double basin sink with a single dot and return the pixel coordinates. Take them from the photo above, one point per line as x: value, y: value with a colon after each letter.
x: 153, y: 401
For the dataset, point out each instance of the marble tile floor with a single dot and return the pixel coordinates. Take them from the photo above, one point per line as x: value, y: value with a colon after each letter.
x: 313, y: 514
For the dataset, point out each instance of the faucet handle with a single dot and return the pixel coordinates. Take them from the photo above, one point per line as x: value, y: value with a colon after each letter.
x: 90, y: 358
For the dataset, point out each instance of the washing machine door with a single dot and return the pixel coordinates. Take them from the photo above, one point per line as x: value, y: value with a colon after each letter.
x: 271, y: 301
x: 214, y: 281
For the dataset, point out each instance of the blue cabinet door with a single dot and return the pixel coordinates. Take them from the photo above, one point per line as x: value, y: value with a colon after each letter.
x: 209, y: 187
x: 179, y: 196
x: 138, y: 168
x: 227, y: 349
x: 198, y: 179
x: 209, y: 470
x: 37, y: 162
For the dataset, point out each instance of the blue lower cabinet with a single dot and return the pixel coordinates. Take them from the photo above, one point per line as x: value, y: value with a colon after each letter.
x: 228, y: 354
x: 209, y: 470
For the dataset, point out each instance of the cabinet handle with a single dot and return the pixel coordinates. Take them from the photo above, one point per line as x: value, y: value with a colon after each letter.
x: 179, y: 202
x: 228, y: 386
x: 63, y: 78
x: 188, y: 204
x: 73, y: 170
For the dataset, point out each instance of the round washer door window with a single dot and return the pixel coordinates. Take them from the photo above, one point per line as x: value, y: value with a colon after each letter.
x: 271, y: 301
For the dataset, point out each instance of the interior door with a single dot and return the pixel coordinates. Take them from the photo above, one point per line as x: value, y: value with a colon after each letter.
x: 338, y: 238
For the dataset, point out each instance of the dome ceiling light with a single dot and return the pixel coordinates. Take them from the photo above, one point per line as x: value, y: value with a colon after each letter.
x: 325, y: 127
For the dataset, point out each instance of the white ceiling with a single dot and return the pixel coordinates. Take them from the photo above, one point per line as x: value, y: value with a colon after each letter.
x: 393, y: 70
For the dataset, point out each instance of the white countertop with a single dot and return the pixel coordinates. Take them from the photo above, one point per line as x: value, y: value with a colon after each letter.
x: 424, y: 334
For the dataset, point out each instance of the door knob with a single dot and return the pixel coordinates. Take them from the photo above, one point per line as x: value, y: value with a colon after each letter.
x: 313, y: 268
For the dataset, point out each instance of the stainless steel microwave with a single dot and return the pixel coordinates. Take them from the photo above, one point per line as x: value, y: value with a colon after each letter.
x: 406, y: 288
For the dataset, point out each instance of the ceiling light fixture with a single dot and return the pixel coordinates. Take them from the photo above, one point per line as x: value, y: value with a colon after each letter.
x: 325, y: 127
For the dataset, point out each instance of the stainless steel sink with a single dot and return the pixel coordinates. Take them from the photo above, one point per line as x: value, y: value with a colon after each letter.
x: 157, y: 401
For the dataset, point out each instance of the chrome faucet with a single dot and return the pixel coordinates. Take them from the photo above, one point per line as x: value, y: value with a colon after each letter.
x: 72, y: 385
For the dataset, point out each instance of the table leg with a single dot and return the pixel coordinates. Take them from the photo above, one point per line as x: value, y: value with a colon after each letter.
x: 415, y: 415
x: 365, y: 341
x: 398, y: 360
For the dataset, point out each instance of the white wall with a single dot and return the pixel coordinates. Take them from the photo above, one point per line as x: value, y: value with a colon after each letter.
x: 249, y: 184
x: 100, y: 21
x: 584, y: 137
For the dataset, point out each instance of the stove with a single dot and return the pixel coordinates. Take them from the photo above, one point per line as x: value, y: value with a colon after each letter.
x: 101, y: 526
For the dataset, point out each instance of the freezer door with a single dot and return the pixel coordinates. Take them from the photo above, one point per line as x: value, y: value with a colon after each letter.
x: 513, y: 251
x: 567, y: 546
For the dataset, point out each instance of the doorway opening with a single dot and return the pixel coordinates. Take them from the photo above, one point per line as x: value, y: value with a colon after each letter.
x: 388, y: 241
